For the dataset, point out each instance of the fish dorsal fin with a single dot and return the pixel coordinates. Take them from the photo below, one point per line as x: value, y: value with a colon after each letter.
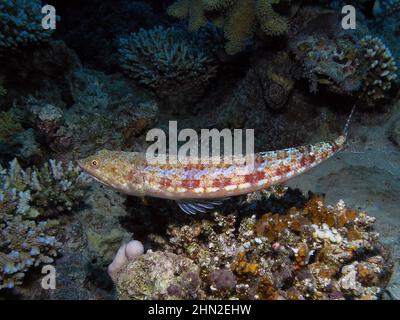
x: 193, y: 207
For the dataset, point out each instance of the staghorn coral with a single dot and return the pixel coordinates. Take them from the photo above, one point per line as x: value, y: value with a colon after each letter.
x: 48, y: 191
x: 239, y: 19
x: 314, y: 251
x: 21, y: 24
x: 164, y: 59
x: 381, y: 69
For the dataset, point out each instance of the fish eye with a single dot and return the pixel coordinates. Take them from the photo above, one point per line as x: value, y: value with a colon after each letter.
x: 95, y: 163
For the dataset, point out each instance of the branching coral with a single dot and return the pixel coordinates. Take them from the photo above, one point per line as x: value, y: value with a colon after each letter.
x: 381, y: 69
x: 47, y: 191
x: 239, y: 19
x: 24, y: 244
x: 169, y: 62
x: 314, y: 251
x: 26, y: 197
x: 20, y: 23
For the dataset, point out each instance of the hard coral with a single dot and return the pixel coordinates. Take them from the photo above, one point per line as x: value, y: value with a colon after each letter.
x: 24, y: 244
x: 47, y: 191
x: 366, y: 71
x: 21, y: 24
x: 311, y: 252
x: 171, y: 63
x: 381, y: 69
x: 239, y: 19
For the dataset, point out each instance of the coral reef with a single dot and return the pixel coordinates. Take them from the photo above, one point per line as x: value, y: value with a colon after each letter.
x: 270, y: 81
x: 14, y: 139
x: 366, y: 72
x: 164, y: 59
x: 27, y: 197
x: 334, y: 64
x: 382, y: 69
x: 313, y: 251
x: 21, y: 24
x: 48, y: 191
x: 24, y: 244
x: 385, y: 7
x: 239, y: 19
x: 168, y: 276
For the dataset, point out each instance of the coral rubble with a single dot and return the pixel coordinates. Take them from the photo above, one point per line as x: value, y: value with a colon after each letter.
x: 313, y: 252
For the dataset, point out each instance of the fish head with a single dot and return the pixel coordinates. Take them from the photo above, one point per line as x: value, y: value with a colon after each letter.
x: 116, y: 169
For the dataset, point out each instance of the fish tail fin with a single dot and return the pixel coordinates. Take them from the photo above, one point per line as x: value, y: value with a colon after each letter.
x: 348, y: 122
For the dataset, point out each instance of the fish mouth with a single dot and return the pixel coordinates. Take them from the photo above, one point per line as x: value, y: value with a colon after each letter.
x: 91, y: 173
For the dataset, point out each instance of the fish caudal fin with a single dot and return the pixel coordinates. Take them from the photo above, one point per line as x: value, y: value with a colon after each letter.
x: 347, y: 125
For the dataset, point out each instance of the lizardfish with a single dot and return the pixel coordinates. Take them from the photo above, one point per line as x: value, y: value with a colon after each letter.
x: 199, y: 187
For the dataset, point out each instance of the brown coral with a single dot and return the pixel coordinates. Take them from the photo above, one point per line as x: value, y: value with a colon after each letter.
x: 239, y: 19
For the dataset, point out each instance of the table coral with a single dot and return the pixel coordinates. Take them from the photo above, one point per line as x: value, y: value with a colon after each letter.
x: 238, y: 18
x: 164, y: 59
x: 315, y: 251
x: 21, y: 23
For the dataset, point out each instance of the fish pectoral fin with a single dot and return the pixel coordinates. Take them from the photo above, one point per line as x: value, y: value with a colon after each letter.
x: 193, y: 207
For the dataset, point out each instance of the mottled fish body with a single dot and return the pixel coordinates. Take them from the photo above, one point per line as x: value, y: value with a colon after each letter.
x: 192, y: 185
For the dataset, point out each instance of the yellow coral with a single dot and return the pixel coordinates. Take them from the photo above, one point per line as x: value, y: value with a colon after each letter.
x: 238, y: 18
x: 189, y: 8
x: 239, y: 25
x: 271, y: 23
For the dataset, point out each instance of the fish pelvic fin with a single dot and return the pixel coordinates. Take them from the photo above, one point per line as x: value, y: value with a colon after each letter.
x: 193, y: 207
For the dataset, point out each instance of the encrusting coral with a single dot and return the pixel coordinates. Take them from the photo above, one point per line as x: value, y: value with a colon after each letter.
x: 21, y: 24
x: 313, y: 251
x: 239, y: 19
x: 164, y: 59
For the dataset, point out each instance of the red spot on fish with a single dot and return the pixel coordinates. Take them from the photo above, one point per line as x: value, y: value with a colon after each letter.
x: 165, y: 182
x: 221, y: 183
x: 281, y: 171
x: 307, y: 160
x: 190, y: 184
